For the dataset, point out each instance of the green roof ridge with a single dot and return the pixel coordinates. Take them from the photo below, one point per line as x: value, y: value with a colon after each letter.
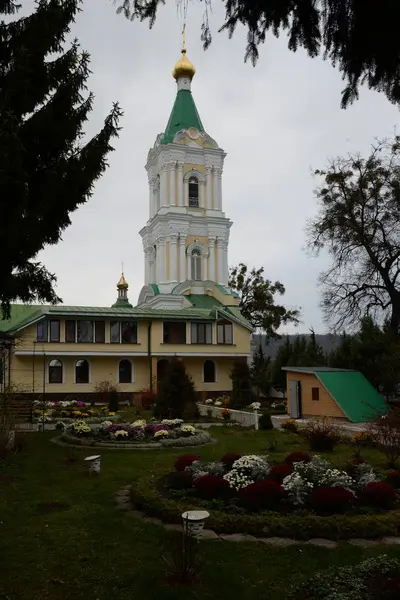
x: 184, y: 115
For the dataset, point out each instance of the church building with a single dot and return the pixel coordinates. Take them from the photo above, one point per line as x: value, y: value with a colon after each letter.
x: 185, y: 308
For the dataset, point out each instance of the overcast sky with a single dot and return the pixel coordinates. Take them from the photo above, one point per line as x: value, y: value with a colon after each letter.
x: 275, y: 121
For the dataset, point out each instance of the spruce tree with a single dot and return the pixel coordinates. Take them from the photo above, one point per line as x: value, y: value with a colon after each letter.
x: 176, y: 396
x: 46, y: 171
x: 242, y: 393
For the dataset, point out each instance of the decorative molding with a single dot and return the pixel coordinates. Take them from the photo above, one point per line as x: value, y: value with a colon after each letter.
x: 195, y: 173
x: 203, y: 249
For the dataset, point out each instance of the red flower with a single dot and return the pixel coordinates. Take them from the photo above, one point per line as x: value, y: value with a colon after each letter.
x: 394, y: 479
x: 332, y: 499
x: 297, y: 457
x: 229, y: 458
x: 185, y: 461
x: 211, y: 487
x: 378, y: 493
x: 279, y: 472
x: 261, y: 495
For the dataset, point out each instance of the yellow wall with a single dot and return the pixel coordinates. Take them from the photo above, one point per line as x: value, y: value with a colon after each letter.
x: 27, y: 371
x: 324, y: 407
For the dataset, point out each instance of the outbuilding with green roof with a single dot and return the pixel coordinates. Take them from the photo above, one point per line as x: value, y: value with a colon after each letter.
x: 338, y: 393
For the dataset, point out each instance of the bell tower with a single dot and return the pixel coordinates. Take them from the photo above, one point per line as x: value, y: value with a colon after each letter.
x: 186, y: 237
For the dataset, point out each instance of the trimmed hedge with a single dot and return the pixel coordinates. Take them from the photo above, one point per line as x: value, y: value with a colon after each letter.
x: 146, y: 497
x: 195, y: 440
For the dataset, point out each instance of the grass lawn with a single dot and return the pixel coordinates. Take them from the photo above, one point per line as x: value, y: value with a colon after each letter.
x: 93, y: 551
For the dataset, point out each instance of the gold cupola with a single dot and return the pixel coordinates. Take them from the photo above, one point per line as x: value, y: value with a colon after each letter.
x: 183, y: 68
x: 122, y: 283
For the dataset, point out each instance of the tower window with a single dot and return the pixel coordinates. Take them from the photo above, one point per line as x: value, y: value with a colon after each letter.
x: 195, y: 264
x: 193, y: 191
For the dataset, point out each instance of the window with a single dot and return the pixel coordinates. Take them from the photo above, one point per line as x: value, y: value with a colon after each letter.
x: 209, y: 371
x: 55, y: 371
x: 195, y: 264
x: 41, y: 331
x: 201, y: 333
x: 174, y: 333
x: 125, y: 371
x: 82, y: 371
x: 128, y: 332
x: 54, y: 331
x: 114, y: 332
x: 70, y: 331
x: 224, y: 332
x: 193, y: 191
x: 123, y: 332
x: 315, y: 394
x: 99, y: 332
x: 84, y: 332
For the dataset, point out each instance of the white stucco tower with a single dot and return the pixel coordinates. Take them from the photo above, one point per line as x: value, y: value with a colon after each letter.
x: 185, y: 239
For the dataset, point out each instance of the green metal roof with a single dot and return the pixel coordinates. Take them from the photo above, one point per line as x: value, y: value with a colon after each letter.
x: 122, y: 303
x: 203, y: 301
x: 184, y: 115
x: 155, y: 288
x: 354, y: 394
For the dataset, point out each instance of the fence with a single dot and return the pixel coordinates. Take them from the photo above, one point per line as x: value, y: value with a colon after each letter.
x: 242, y: 417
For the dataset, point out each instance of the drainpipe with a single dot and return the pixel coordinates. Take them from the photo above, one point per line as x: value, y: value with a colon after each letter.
x: 149, y: 355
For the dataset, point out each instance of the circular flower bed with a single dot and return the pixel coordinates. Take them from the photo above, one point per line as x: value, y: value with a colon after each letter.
x: 169, y: 432
x: 295, y: 499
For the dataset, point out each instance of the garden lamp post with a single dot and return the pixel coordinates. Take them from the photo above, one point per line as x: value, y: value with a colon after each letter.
x: 193, y: 522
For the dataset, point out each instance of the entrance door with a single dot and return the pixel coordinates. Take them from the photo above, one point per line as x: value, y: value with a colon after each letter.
x: 294, y: 399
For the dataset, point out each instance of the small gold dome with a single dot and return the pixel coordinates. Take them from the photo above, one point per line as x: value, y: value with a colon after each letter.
x: 122, y: 283
x: 184, y: 68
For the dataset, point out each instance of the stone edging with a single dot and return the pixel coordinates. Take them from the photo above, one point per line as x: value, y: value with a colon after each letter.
x: 132, y: 446
x: 123, y: 501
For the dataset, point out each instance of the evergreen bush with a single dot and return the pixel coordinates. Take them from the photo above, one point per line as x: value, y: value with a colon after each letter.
x: 242, y: 392
x: 265, y: 421
x: 176, y: 396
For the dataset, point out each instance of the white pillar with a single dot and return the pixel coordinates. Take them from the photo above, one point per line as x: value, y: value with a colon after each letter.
x: 146, y: 266
x: 180, y: 184
x: 160, y: 261
x: 182, y: 259
x: 204, y: 261
x: 163, y: 186
x: 216, y: 190
x: 211, y: 260
x: 173, y: 258
x: 208, y: 187
x: 226, y: 266
x: 220, y: 188
x: 172, y: 184
x: 202, y: 195
x: 220, y: 250
x: 151, y: 197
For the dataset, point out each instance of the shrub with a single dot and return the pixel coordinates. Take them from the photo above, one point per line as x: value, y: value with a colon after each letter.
x: 379, y: 494
x: 353, y: 463
x: 385, y: 432
x: 394, y: 479
x: 147, y: 398
x: 107, y: 393
x: 229, y: 458
x: 179, y: 480
x: 290, y: 425
x: 176, y: 395
x: 297, y: 457
x: 265, y: 421
x: 374, y: 578
x: 337, y: 499
x: 211, y: 487
x: 261, y: 495
x: 242, y: 389
x: 322, y: 434
x: 185, y: 461
x: 279, y: 472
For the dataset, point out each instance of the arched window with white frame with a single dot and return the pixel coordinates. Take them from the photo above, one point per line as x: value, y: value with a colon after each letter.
x: 82, y: 371
x: 125, y: 371
x: 193, y: 191
x: 195, y: 264
x: 55, y: 371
